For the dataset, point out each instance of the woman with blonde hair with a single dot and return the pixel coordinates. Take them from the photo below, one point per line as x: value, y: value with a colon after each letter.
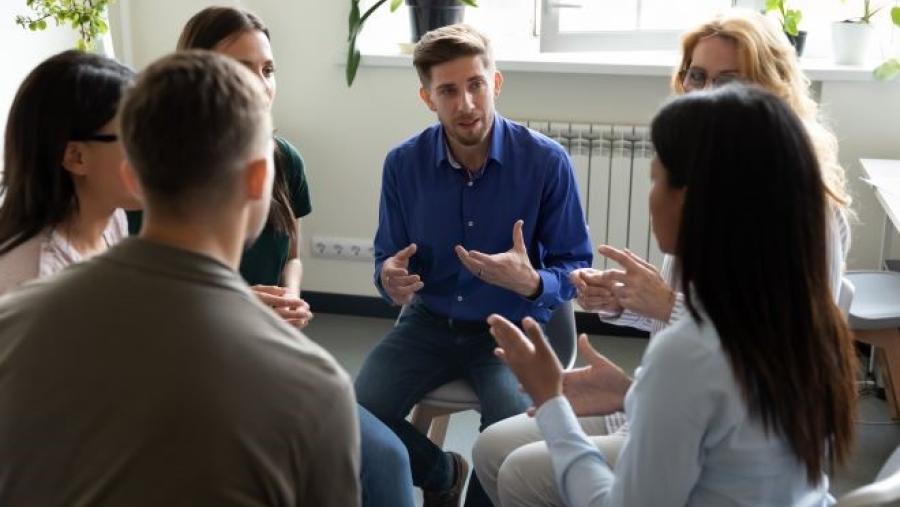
x: 766, y: 58
x: 739, y: 45
x: 744, y: 46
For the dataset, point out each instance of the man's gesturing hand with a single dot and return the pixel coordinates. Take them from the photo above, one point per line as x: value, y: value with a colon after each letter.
x: 511, y: 269
x: 396, y: 280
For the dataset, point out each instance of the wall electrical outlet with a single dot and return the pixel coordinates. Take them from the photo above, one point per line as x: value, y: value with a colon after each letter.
x: 343, y: 248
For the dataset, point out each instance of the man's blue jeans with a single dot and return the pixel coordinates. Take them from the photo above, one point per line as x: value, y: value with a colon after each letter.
x: 421, y: 353
x: 385, y: 472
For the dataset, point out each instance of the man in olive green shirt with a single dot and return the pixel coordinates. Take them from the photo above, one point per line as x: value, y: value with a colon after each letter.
x: 151, y: 375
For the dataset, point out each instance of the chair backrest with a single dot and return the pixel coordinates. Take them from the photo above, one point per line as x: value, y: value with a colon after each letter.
x: 560, y: 330
x: 886, y: 487
x: 845, y: 296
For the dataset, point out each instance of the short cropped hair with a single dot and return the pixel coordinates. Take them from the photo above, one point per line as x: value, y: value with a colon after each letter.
x: 189, y: 124
x: 449, y: 43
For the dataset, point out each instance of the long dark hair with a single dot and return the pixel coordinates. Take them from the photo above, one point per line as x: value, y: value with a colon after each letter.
x: 752, y: 250
x: 67, y: 97
x: 205, y: 30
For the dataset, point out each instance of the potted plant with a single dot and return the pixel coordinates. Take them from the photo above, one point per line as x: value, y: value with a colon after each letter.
x: 852, y: 37
x: 424, y: 15
x: 88, y: 17
x: 790, y: 22
x: 891, y: 68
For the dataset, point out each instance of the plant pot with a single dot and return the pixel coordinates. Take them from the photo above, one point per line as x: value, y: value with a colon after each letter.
x: 851, y: 42
x: 798, y: 41
x: 426, y: 15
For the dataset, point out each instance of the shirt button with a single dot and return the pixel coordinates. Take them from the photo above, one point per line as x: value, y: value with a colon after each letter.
x: 470, y: 223
x: 459, y: 298
x: 470, y: 183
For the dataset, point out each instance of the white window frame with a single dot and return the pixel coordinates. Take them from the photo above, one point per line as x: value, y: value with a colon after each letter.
x: 628, y: 40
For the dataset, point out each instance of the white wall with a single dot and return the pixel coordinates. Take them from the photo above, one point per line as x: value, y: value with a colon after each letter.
x: 344, y: 133
x: 22, y: 51
x: 866, y: 119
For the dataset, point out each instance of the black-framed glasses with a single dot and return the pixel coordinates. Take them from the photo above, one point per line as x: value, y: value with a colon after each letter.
x: 695, y: 78
x: 100, y: 138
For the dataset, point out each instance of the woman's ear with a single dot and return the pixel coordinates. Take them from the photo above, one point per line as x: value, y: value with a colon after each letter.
x: 73, y: 158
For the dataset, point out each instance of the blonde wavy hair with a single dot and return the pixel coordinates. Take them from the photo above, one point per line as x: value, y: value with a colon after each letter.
x: 766, y: 58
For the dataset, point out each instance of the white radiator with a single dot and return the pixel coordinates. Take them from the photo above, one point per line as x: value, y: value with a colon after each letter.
x: 612, y: 166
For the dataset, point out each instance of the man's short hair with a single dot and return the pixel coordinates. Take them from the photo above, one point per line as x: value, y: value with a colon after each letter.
x: 191, y: 121
x: 449, y: 43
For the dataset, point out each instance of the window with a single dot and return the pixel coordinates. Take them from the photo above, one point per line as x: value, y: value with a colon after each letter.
x: 590, y: 25
x: 510, y: 23
x: 518, y: 27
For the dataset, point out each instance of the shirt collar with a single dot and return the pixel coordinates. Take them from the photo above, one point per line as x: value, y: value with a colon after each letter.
x: 495, y: 152
x: 450, y: 160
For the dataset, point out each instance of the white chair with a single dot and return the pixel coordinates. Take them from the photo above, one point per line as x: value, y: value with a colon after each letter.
x: 432, y: 414
x: 875, y: 319
x: 845, y: 296
x: 886, y: 487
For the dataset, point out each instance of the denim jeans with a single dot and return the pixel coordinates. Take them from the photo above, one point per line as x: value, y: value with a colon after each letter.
x: 384, y: 472
x: 422, y: 352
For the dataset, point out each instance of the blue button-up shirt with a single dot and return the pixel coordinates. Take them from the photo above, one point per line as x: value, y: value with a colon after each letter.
x: 426, y: 201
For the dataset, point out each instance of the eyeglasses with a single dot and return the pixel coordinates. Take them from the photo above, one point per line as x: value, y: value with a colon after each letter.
x: 100, y: 138
x: 696, y: 78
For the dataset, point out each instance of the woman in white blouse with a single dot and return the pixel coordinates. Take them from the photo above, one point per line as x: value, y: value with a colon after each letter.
x: 739, y: 45
x: 746, y: 398
x: 62, y: 189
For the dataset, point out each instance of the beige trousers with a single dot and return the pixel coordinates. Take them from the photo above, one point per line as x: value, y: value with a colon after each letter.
x: 513, y: 462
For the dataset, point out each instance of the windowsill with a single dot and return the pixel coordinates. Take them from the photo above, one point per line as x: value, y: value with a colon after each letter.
x: 619, y: 63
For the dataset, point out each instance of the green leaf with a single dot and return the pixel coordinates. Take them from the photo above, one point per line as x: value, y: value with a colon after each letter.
x: 792, y: 21
x: 395, y: 4
x: 791, y: 29
x: 353, y: 58
x: 773, y: 5
x: 888, y: 70
x: 470, y: 3
x: 895, y: 15
x: 355, y: 24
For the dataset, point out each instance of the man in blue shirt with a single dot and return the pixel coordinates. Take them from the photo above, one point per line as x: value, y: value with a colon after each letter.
x: 478, y: 215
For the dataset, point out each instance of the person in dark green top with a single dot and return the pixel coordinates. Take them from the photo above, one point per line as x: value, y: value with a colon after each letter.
x: 264, y: 262
x: 271, y: 266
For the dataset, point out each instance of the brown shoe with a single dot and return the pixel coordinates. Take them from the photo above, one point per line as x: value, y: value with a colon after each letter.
x: 450, y: 497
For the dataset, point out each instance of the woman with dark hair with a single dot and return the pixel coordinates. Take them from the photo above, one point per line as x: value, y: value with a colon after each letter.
x: 747, y: 398
x: 272, y: 264
x: 62, y: 188
x: 736, y: 45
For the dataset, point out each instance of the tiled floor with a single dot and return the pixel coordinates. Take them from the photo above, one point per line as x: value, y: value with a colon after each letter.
x: 349, y: 339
